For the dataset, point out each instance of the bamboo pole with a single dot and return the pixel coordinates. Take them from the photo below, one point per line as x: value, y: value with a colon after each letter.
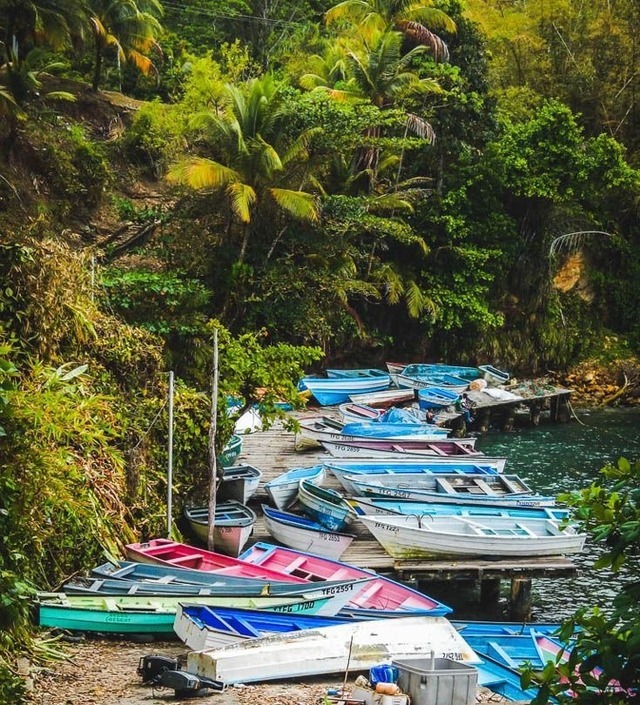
x: 213, y: 474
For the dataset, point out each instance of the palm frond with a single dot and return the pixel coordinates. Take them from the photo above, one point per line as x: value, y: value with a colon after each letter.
x: 420, y: 34
x: 417, y: 301
x: 299, y: 204
x: 201, y: 173
x: 571, y: 242
x: 420, y: 127
x: 429, y: 16
x: 242, y: 198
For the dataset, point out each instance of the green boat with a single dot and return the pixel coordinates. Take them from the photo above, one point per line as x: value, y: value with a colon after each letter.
x: 131, y: 614
x: 230, y: 452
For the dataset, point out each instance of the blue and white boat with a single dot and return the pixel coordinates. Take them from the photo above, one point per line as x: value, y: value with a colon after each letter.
x: 325, y: 506
x: 372, y: 506
x: 436, y: 398
x: 283, y: 490
x: 335, y: 390
x: 323, y: 428
x: 304, y: 534
x: 201, y: 627
x: 343, y: 475
x: 497, y: 490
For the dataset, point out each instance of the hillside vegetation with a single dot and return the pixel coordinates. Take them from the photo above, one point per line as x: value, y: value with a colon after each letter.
x: 421, y: 180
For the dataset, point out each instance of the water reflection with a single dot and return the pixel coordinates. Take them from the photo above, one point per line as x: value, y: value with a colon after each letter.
x: 555, y: 458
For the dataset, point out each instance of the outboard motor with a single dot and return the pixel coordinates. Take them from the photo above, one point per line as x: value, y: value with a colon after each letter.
x: 165, y: 672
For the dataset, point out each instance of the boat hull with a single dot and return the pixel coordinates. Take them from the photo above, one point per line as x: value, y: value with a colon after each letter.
x: 150, y: 615
x: 325, y: 506
x: 353, y: 647
x: 412, y: 537
x: 380, y: 449
x: 283, y: 490
x: 379, y: 594
x: 329, y: 391
x: 304, y: 535
x: 239, y: 483
x: 233, y: 526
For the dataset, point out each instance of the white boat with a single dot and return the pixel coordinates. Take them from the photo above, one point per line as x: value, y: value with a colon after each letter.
x: 239, y: 482
x: 497, y: 490
x: 233, y: 525
x: 371, y: 448
x: 403, y: 463
x: 358, y: 412
x: 338, y: 649
x: 430, y: 536
x: 304, y: 534
x: 283, y: 490
x: 385, y: 398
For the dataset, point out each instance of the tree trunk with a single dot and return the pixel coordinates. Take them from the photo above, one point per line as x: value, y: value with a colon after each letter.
x: 97, y: 69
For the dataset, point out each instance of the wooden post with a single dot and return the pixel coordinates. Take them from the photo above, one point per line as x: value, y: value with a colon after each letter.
x: 483, y: 420
x: 534, y: 413
x: 508, y: 419
x: 520, y: 605
x: 170, y: 460
x: 213, y: 470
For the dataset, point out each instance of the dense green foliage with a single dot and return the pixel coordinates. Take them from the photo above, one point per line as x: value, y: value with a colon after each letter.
x: 604, y: 664
x: 388, y: 178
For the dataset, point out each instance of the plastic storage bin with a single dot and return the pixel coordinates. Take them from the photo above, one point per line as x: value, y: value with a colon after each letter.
x: 438, y: 681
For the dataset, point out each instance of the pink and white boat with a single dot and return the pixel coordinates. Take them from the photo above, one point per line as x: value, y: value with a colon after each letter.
x: 380, y: 594
x: 371, y: 448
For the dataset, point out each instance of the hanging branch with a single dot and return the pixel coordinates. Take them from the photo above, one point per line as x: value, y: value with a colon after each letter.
x: 213, y: 471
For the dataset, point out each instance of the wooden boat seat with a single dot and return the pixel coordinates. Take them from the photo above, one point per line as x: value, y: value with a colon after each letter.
x: 512, y: 486
x: 436, y: 450
x: 444, y: 485
x: 193, y: 561
x: 484, y: 486
x: 526, y: 529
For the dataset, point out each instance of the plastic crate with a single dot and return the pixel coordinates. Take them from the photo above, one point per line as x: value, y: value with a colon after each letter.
x: 438, y: 681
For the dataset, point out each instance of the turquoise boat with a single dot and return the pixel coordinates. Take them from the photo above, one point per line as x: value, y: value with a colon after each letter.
x: 231, y: 451
x: 146, y: 614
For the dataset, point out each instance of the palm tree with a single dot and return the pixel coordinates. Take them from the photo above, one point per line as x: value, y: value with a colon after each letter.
x: 377, y: 71
x: 254, y: 168
x: 410, y: 17
x: 131, y: 27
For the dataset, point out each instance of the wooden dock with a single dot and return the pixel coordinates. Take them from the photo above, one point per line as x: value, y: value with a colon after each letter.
x: 274, y: 451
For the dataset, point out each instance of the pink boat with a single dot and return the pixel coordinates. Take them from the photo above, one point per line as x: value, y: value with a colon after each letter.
x: 372, y: 447
x: 380, y: 594
x: 167, y: 552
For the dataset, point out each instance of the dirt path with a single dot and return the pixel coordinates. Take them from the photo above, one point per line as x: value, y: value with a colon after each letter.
x: 103, y: 672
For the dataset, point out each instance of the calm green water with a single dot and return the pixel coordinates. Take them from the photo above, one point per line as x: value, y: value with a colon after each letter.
x: 555, y: 458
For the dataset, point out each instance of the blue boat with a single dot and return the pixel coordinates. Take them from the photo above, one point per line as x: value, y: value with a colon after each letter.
x: 342, y: 474
x: 336, y: 390
x: 381, y: 429
x: 203, y: 628
x: 325, y: 506
x: 373, y: 506
x: 436, y: 398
